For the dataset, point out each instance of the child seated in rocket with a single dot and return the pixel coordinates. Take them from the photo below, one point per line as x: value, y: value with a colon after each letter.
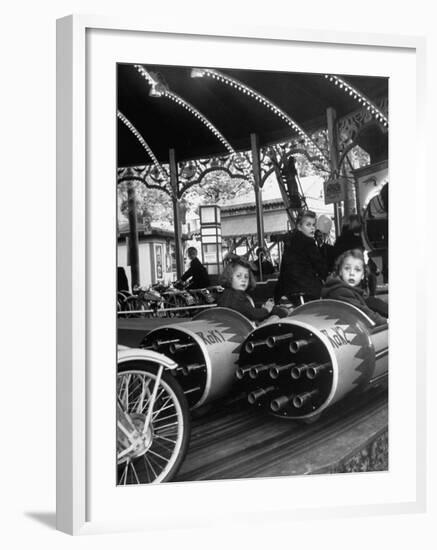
x: 237, y: 279
x: 348, y: 284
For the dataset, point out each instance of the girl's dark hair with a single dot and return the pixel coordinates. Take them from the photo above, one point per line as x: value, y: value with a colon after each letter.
x: 228, y: 272
x: 305, y: 214
x: 358, y: 255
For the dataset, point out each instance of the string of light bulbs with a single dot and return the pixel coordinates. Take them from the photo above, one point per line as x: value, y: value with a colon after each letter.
x: 143, y: 142
x: 161, y: 90
x: 234, y: 83
x: 361, y: 98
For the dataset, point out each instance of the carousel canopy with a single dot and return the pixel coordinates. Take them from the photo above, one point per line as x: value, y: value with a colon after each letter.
x: 164, y: 122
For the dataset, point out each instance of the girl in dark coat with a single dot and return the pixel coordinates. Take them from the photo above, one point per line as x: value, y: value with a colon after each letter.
x: 303, y: 267
x: 237, y: 278
x: 351, y: 239
x: 346, y: 284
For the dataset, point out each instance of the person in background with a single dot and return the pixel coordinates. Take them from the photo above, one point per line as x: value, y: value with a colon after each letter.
x: 373, y: 273
x: 303, y: 267
x: 197, y: 273
x: 348, y: 284
x: 122, y: 282
x: 350, y: 237
x: 326, y: 249
x: 262, y: 262
x: 237, y: 279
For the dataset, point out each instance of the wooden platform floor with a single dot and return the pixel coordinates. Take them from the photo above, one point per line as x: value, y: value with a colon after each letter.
x: 232, y: 440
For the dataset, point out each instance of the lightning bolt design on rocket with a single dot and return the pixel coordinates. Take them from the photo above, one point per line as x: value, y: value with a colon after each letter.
x: 229, y: 333
x: 359, y: 362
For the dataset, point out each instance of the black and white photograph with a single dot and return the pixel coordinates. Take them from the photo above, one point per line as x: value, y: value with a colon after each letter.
x: 209, y: 339
x: 252, y: 273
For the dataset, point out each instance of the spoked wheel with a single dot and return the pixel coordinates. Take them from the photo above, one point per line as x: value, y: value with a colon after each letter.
x: 153, y: 424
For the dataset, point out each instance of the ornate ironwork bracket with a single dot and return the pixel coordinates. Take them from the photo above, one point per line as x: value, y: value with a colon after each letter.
x: 148, y: 175
x: 190, y: 173
x: 193, y: 172
x: 350, y: 126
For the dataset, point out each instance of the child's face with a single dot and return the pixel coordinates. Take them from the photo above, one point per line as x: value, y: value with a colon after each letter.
x: 352, y: 271
x: 240, y: 278
x: 308, y: 227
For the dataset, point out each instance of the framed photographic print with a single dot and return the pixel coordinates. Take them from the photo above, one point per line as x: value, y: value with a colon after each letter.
x: 224, y: 275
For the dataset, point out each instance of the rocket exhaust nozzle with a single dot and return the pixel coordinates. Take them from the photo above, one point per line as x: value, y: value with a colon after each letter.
x: 314, y: 371
x: 240, y: 373
x: 281, y: 402
x: 254, y: 396
x: 158, y: 343
x: 175, y: 347
x: 297, y: 345
x: 303, y: 398
x: 252, y: 344
x: 188, y: 369
x: 271, y: 341
x: 275, y: 372
x: 296, y: 372
x: 254, y: 372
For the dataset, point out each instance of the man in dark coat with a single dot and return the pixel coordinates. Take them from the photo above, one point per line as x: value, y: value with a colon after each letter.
x: 197, y: 272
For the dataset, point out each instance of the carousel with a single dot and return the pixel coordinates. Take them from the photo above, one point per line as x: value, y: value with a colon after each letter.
x: 202, y: 392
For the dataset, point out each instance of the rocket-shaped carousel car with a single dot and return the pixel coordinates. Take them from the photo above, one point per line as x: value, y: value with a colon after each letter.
x: 301, y: 365
x: 206, y: 350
